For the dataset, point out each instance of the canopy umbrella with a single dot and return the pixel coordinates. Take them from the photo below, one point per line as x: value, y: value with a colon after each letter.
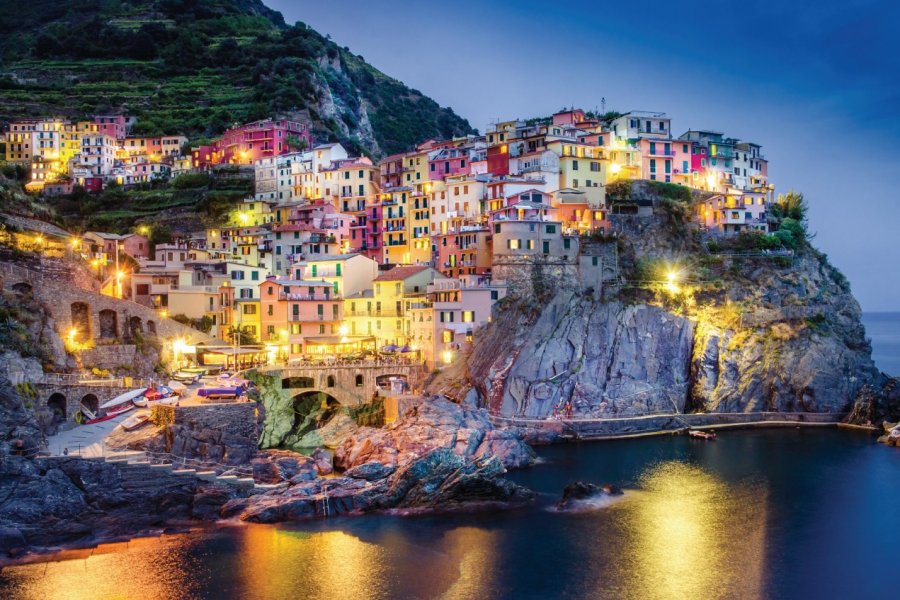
x: 390, y: 348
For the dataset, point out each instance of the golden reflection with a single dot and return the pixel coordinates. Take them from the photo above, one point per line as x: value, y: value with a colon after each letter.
x: 475, y: 551
x: 693, y: 536
x: 129, y: 570
x: 335, y: 565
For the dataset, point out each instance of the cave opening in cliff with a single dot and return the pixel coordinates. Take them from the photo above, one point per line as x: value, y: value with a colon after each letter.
x: 312, y: 410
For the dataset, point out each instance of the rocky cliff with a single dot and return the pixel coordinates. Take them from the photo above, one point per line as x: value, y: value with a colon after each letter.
x: 740, y: 331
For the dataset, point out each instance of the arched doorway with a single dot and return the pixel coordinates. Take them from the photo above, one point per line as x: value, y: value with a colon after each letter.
x: 23, y: 288
x: 81, y: 320
x: 135, y: 328
x: 57, y: 405
x: 329, y: 381
x: 109, y: 324
x: 312, y: 410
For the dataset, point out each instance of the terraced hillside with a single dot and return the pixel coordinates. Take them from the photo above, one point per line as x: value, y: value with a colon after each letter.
x: 197, y: 66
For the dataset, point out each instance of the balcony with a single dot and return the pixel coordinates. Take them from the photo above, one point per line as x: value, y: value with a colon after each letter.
x: 309, y: 298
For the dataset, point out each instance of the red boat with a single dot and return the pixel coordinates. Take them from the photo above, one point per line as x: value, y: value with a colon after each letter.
x: 111, y: 413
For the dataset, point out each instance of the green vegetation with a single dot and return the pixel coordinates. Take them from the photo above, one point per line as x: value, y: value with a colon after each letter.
x: 198, y: 66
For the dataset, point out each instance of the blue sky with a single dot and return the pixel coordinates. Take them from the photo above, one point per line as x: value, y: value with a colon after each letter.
x: 816, y: 83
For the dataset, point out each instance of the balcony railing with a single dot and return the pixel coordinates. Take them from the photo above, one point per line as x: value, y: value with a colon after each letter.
x: 308, y: 297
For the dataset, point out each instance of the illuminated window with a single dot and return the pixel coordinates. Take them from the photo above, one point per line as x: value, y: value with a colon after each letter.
x: 468, y: 316
x: 447, y: 336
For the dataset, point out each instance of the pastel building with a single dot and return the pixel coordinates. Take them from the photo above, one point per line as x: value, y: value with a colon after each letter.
x: 248, y: 143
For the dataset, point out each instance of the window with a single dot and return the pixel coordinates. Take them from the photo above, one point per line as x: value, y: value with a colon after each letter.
x: 574, y: 165
x: 468, y: 316
x: 447, y: 336
x: 359, y: 378
x: 567, y: 243
x: 513, y: 244
x: 653, y: 165
x: 551, y: 228
x: 531, y: 244
x: 254, y: 275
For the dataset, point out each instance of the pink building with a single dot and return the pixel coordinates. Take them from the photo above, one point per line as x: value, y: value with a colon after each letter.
x: 666, y: 160
x: 251, y: 142
x: 112, y: 125
x: 448, y: 161
x: 296, y: 312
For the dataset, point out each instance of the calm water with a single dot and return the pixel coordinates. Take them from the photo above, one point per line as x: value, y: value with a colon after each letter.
x: 788, y: 513
x: 884, y: 330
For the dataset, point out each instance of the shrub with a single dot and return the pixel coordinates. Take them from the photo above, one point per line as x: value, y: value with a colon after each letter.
x: 190, y: 181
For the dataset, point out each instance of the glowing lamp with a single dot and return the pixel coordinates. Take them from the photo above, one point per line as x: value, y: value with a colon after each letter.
x: 447, y: 356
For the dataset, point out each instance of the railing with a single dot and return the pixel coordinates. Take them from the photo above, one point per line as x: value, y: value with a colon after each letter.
x: 314, y: 297
x: 329, y: 363
x: 73, y: 379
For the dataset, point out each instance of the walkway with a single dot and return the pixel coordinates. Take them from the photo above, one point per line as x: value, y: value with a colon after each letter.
x: 85, y: 440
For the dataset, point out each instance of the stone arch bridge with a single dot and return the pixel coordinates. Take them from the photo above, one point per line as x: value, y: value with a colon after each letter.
x: 349, y: 384
x: 64, y: 394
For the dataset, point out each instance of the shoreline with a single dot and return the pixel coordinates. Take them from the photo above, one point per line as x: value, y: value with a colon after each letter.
x: 618, y: 428
x: 77, y: 550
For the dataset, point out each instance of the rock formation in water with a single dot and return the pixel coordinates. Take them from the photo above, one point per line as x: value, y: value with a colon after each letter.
x: 748, y: 333
x: 439, y: 456
x: 435, y: 423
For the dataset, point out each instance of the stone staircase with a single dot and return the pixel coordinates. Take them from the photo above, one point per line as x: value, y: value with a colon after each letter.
x: 137, y: 472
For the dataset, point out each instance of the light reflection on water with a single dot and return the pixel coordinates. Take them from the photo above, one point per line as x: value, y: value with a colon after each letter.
x: 684, y: 539
x: 754, y: 515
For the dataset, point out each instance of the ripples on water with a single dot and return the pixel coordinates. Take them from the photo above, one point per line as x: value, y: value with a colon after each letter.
x: 776, y: 514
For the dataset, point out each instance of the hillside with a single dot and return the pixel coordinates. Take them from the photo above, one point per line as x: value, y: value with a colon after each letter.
x: 198, y: 66
x: 743, y: 330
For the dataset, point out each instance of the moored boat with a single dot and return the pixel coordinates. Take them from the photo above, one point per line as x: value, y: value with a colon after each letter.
x: 702, y: 435
x: 111, y: 413
x: 135, y: 421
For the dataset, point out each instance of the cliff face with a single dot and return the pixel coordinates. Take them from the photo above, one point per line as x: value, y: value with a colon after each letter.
x: 746, y: 334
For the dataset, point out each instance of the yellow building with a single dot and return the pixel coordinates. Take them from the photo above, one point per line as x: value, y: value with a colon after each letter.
x: 246, y: 316
x: 351, y: 183
x: 581, y: 167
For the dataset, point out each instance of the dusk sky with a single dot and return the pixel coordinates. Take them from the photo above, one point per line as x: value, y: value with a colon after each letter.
x: 816, y: 83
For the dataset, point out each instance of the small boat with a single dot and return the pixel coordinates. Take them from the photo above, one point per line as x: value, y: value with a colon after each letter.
x: 702, y: 435
x: 127, y: 397
x: 189, y: 375
x: 177, y: 387
x: 135, y: 421
x: 111, y: 413
x: 220, y: 392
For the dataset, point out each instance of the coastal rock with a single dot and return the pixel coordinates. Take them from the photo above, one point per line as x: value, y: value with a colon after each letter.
x: 579, y: 491
x: 770, y: 336
x: 323, y: 461
x: 435, y: 423
x: 440, y: 480
x: 370, y: 471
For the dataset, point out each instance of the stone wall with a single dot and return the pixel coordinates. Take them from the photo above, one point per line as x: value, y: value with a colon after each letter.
x: 109, y: 357
x: 220, y: 434
x: 104, y: 317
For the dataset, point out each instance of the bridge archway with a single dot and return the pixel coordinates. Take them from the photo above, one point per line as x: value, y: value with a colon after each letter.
x: 91, y: 402
x: 57, y: 405
x: 312, y: 410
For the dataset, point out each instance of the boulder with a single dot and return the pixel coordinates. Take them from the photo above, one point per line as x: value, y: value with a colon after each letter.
x: 369, y: 471
x: 579, y: 491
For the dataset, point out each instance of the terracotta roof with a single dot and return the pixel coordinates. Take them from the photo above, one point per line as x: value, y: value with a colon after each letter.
x: 401, y: 272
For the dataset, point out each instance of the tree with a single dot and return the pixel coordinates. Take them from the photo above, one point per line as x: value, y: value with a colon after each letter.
x: 243, y: 335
